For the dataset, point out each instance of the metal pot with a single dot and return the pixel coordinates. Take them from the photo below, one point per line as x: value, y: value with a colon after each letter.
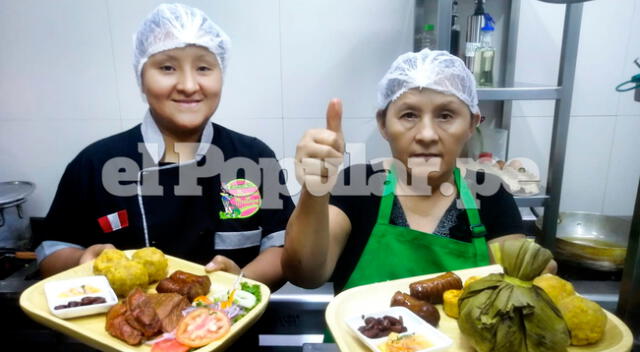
x: 15, y: 231
x: 591, y: 240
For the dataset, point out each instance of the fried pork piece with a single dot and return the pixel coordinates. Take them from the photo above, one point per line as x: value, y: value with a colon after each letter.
x: 145, y: 315
x: 118, y: 327
x: 186, y: 284
x: 141, y: 314
x: 168, y: 307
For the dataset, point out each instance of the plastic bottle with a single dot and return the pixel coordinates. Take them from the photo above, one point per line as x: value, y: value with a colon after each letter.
x: 427, y: 38
x: 485, y: 55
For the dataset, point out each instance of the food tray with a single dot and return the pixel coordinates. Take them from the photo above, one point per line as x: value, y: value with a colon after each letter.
x: 617, y: 337
x: 90, y: 329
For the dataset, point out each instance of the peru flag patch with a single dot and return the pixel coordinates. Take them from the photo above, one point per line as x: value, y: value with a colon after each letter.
x: 113, y: 222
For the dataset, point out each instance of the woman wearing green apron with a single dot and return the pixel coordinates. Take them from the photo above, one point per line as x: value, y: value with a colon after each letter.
x: 419, y: 215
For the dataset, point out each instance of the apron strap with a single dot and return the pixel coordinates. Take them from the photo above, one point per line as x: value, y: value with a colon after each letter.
x: 469, y: 202
x: 478, y: 231
x: 386, y: 203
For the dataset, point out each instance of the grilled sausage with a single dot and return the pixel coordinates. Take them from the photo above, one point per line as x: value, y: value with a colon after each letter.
x: 186, y: 284
x: 431, y: 290
x: 425, y: 310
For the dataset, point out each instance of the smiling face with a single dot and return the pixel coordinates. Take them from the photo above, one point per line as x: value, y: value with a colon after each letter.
x: 182, y: 87
x: 427, y: 130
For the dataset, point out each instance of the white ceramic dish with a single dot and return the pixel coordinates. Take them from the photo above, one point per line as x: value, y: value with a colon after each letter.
x: 64, y: 291
x: 413, y: 323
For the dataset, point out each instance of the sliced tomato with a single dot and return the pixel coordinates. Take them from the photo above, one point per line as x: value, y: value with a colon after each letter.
x: 169, y: 345
x: 202, y: 326
x: 202, y: 299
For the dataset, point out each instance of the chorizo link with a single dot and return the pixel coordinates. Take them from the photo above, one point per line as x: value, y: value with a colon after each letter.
x: 425, y: 310
x: 431, y: 290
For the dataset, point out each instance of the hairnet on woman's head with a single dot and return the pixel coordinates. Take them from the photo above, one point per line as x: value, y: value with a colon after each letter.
x: 171, y: 26
x: 437, y: 70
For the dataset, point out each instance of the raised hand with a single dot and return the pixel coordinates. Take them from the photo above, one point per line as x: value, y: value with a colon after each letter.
x: 320, y: 153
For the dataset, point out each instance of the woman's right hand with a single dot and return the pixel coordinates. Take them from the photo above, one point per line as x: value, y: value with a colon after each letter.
x: 93, y: 252
x: 320, y: 153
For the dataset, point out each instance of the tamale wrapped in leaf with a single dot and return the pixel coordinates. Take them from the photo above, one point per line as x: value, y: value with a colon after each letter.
x: 506, y: 312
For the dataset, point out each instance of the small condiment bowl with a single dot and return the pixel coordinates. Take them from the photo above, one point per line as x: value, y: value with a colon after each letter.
x: 413, y: 323
x: 62, y: 292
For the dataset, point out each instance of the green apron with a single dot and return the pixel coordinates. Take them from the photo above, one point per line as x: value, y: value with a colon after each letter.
x: 395, y: 252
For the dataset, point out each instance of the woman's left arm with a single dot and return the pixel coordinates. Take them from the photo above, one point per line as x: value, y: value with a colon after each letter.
x: 552, y: 267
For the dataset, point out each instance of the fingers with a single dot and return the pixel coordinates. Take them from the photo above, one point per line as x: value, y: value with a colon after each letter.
x: 222, y: 263
x: 320, y: 153
x: 329, y: 138
x: 334, y: 116
x: 317, y: 167
x: 93, y: 252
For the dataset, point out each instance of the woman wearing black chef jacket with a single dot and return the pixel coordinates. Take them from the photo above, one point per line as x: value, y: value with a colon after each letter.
x: 154, y: 185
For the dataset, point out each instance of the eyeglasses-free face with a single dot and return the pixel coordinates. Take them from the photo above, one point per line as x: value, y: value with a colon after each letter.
x: 427, y: 131
x: 183, y: 88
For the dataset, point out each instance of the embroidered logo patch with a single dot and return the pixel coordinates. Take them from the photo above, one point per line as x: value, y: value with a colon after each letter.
x: 115, y: 221
x: 240, y: 198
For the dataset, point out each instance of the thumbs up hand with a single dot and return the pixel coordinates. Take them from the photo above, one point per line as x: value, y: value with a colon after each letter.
x: 320, y: 153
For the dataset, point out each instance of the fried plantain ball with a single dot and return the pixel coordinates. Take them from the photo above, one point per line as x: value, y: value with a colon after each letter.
x: 127, y: 275
x: 154, y: 261
x: 585, y: 319
x: 107, y: 259
x: 556, y: 288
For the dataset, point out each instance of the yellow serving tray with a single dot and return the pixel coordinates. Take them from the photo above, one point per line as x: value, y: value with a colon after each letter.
x: 363, y: 299
x: 90, y: 329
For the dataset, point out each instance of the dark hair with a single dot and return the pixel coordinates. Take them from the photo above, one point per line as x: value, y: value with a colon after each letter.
x: 382, y: 114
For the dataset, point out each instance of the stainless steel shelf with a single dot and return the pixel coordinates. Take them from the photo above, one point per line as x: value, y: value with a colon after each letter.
x: 538, y: 200
x: 519, y: 93
x: 440, y: 12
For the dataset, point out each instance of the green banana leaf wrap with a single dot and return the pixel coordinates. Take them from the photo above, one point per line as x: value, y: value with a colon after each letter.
x: 506, y: 312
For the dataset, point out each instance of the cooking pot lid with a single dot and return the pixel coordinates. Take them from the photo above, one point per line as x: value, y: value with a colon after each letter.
x: 13, y: 191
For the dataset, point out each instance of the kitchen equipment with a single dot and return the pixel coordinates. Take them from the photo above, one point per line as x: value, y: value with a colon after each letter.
x: 591, y: 240
x: 15, y: 232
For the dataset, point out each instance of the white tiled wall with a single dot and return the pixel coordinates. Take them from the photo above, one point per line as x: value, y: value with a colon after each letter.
x: 57, y: 61
x: 67, y: 80
x: 335, y: 48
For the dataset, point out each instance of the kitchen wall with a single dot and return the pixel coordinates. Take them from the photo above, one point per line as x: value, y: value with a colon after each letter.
x: 66, y: 81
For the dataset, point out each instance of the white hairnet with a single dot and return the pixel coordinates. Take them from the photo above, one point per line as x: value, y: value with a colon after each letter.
x: 437, y: 70
x: 171, y: 26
